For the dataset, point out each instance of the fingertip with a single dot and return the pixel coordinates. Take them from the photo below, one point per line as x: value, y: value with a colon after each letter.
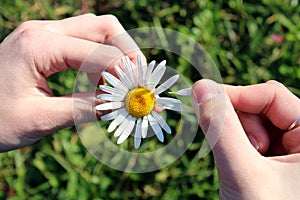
x: 205, y: 89
x: 254, y: 142
x: 291, y: 141
x: 254, y: 127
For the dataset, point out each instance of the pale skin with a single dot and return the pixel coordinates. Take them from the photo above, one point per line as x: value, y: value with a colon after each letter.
x: 37, y: 49
x: 269, y: 168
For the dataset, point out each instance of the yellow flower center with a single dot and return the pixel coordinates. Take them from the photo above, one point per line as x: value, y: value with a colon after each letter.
x: 139, y: 102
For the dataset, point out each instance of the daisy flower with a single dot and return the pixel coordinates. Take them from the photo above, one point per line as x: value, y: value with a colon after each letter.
x: 133, y: 98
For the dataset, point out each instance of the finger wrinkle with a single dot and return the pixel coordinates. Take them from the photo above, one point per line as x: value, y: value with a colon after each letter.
x: 271, y: 101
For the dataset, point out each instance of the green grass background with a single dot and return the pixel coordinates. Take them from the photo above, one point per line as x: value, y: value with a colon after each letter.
x: 237, y: 34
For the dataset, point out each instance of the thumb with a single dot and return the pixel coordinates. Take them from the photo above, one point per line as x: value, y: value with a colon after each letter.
x: 65, y: 111
x: 221, y: 126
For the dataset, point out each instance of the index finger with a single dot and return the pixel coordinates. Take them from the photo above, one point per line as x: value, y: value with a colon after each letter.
x: 272, y: 99
x: 104, y: 29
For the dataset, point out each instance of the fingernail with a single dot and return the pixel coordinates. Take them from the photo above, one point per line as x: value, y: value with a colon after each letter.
x: 254, y: 142
x: 205, y: 90
x: 202, y: 91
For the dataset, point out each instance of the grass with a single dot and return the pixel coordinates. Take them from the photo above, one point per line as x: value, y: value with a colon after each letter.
x: 240, y: 37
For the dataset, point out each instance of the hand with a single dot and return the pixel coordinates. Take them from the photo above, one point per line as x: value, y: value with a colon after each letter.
x: 265, y: 112
x: 37, y: 49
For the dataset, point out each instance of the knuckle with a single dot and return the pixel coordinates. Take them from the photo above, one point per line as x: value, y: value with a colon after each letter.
x: 27, y: 37
x: 29, y: 33
x: 85, y: 16
x: 111, y: 18
x: 275, y: 83
x: 276, y: 86
x: 29, y: 26
x: 88, y: 15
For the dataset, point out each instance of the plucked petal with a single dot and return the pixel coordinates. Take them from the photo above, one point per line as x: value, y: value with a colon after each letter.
x: 156, y: 128
x: 110, y: 105
x: 166, y: 85
x: 184, y: 92
x: 161, y: 122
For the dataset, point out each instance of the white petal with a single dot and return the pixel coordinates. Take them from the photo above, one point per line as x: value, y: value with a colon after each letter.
x: 114, y: 81
x: 122, y: 127
x: 110, y: 105
x: 161, y: 122
x: 111, y: 97
x: 123, y: 77
x: 137, y: 142
x: 138, y: 133
x: 129, y: 72
x: 145, y: 127
x: 111, y: 115
x: 167, y: 100
x: 127, y: 129
x: 107, y: 89
x: 171, y: 107
x: 111, y: 90
x: 140, y: 71
x: 117, y: 121
x: 184, y: 92
x: 169, y: 103
x: 134, y: 71
x: 166, y: 85
x: 156, y: 128
x: 157, y: 74
x: 149, y: 71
